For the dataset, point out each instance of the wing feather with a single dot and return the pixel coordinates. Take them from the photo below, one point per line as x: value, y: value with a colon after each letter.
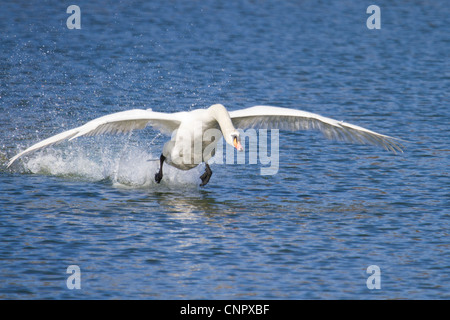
x: 267, y: 117
x: 120, y: 122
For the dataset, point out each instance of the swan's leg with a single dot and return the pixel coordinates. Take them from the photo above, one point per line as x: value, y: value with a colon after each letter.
x: 206, y: 176
x: 159, y: 175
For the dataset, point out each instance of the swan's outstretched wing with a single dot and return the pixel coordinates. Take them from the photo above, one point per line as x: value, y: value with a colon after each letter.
x: 290, y: 119
x: 119, y: 122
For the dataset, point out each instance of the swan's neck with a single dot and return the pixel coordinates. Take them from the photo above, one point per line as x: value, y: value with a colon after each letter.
x: 222, y: 117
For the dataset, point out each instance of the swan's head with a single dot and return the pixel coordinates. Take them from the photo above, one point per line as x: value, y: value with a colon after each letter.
x: 234, y: 139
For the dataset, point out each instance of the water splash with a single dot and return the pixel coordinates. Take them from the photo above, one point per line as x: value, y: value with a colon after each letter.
x: 130, y: 167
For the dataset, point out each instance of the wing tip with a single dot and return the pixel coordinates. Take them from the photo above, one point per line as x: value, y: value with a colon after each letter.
x: 12, y: 160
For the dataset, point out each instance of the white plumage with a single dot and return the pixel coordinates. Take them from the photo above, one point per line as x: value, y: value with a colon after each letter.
x: 187, y: 124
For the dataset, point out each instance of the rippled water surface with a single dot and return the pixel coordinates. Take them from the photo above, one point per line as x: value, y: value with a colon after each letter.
x: 308, y: 232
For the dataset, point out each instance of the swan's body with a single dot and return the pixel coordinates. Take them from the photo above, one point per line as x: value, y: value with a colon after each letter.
x: 188, y: 131
x: 191, y: 133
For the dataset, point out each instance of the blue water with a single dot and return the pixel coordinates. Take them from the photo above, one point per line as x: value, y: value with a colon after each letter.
x: 308, y: 232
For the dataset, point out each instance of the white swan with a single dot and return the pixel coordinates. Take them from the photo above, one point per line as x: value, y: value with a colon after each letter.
x: 189, y: 128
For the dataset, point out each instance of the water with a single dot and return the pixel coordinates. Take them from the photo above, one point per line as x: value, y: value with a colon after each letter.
x: 308, y: 232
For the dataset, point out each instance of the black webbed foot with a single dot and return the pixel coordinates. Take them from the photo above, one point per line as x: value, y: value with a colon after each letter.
x: 159, y: 175
x: 206, y: 176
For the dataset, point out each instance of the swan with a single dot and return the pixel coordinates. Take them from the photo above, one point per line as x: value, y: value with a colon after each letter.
x: 189, y: 127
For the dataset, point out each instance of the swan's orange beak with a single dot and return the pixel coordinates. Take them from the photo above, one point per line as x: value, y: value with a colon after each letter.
x: 237, y: 144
